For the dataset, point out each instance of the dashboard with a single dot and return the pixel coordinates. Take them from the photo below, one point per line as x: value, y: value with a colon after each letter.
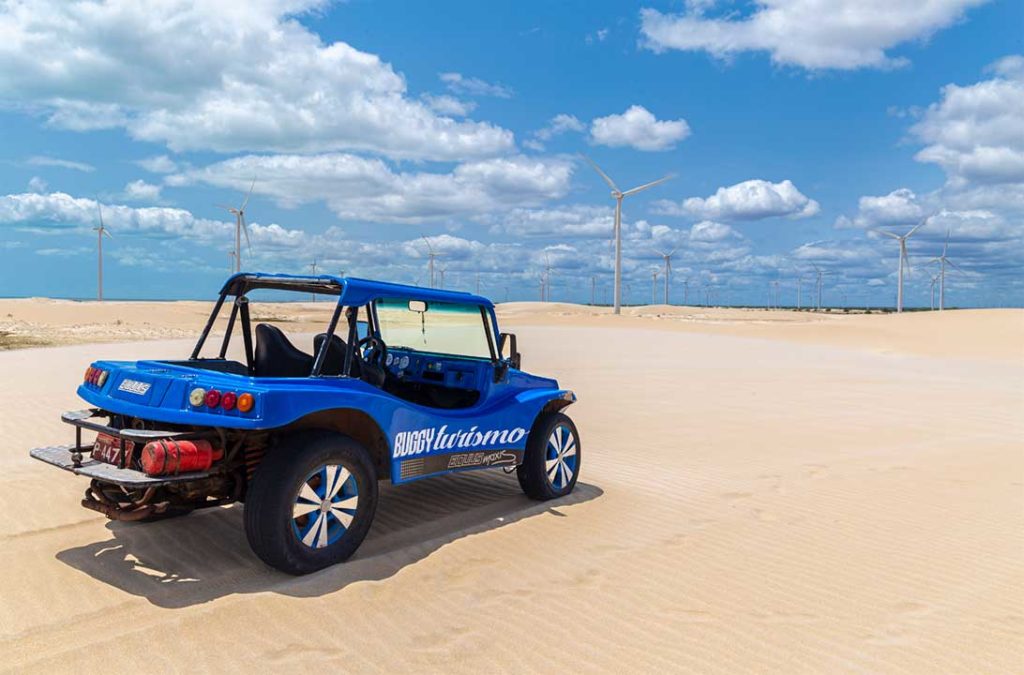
x: 409, y: 366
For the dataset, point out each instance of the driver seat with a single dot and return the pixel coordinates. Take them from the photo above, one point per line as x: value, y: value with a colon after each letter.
x: 334, y: 362
x: 277, y: 357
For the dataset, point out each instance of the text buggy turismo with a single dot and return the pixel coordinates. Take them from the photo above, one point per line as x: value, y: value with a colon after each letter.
x: 404, y: 383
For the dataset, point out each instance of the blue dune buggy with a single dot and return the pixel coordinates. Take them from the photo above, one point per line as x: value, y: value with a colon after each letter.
x: 404, y: 383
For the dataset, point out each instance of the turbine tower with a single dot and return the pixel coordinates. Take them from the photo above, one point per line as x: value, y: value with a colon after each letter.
x: 240, y: 227
x: 667, y: 257
x: 819, y: 282
x: 100, y: 232
x: 943, y: 260
x: 903, y: 259
x: 654, y: 286
x: 546, y: 280
x: 618, y: 195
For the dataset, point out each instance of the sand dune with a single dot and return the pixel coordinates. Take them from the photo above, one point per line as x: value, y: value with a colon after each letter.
x: 780, y: 493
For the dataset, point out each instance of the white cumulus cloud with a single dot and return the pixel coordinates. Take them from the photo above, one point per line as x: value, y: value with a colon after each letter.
x: 749, y: 200
x: 638, y: 128
x: 367, y: 189
x: 141, y: 191
x: 976, y: 132
x: 899, y: 207
x: 811, y: 34
x: 220, y: 76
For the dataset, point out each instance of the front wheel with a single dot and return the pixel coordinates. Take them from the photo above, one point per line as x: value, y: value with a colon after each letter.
x: 551, y: 463
x: 311, y: 502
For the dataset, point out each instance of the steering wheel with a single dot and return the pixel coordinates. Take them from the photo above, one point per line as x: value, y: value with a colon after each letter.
x: 373, y: 351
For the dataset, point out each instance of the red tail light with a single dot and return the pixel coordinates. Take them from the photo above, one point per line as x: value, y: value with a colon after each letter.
x: 212, y: 398
x: 228, y: 400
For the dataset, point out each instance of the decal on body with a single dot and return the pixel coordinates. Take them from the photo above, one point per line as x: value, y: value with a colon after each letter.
x: 432, y: 439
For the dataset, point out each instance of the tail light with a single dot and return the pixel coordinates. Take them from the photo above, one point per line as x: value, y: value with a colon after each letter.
x: 245, y: 403
x: 95, y: 376
x: 227, y: 401
x: 197, y: 397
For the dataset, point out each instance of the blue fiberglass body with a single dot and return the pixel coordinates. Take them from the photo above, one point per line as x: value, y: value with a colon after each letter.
x: 423, y: 440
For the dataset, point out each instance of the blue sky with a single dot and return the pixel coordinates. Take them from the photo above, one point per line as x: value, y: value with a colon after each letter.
x: 792, y: 128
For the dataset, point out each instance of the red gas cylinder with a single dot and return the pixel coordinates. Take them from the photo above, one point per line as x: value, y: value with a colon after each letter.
x: 163, y: 457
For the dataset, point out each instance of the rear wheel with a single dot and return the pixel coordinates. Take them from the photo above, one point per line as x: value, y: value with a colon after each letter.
x: 551, y: 463
x: 311, y: 502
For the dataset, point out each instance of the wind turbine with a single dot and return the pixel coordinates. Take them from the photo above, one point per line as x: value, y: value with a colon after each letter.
x: 819, y: 282
x: 654, y: 286
x: 432, y: 255
x: 442, y: 271
x: 618, y: 195
x: 943, y: 260
x: 313, y: 268
x: 100, y: 231
x: 935, y: 280
x: 667, y: 257
x: 546, y: 280
x: 686, y: 291
x: 240, y: 227
x: 903, y: 258
x: 593, y: 291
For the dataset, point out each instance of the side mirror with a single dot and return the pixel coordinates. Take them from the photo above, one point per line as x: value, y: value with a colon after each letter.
x: 509, y: 340
x: 417, y: 306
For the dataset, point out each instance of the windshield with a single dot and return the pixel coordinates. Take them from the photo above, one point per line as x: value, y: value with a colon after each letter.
x: 435, y: 327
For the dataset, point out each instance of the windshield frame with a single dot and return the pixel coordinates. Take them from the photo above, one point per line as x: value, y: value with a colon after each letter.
x: 486, y: 316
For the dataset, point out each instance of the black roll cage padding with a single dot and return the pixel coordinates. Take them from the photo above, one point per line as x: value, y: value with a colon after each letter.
x: 209, y: 326
x: 352, y: 314
x: 227, y: 333
x: 250, y: 360
x: 321, y: 356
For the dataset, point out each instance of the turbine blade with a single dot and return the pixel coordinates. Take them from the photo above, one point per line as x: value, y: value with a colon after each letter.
x: 245, y: 231
x: 886, y: 233
x: 955, y: 266
x: 246, y: 202
x: 648, y: 185
x: 608, y: 180
x: 915, y: 228
x: 429, y: 247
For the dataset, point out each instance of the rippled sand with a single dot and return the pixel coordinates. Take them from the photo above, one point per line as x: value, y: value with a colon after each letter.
x: 760, y: 491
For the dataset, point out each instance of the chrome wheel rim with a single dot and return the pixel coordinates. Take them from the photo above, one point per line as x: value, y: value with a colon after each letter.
x: 325, y: 506
x: 562, y: 457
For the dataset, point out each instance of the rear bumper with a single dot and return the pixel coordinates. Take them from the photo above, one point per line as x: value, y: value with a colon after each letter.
x: 61, y: 456
x: 76, y: 457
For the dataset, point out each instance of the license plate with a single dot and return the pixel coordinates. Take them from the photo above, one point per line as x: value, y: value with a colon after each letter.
x: 108, y: 449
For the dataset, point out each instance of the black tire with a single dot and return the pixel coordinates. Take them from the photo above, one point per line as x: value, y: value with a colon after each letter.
x: 540, y: 480
x: 303, y: 462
